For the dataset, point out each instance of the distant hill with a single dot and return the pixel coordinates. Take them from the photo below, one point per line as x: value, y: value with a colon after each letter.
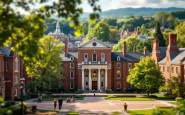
x: 124, y: 12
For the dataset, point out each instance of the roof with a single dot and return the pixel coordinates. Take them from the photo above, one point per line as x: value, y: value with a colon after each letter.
x: 6, y: 50
x: 67, y: 58
x: 130, y: 56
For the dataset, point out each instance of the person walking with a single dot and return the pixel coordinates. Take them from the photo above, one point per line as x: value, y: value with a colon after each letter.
x: 125, y: 107
x: 60, y: 102
x: 55, y: 103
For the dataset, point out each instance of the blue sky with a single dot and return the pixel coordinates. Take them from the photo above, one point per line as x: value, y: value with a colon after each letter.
x: 114, y: 4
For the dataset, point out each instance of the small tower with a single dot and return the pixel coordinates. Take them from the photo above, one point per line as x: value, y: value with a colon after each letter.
x: 58, y: 27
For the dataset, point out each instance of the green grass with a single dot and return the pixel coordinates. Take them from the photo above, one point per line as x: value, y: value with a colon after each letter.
x: 162, y: 97
x: 43, y: 111
x: 115, y: 113
x: 129, y: 99
x: 72, y: 113
x: 149, y: 111
x: 174, y: 103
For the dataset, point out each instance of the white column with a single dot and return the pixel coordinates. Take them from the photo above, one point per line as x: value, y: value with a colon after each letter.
x: 105, y: 79
x: 90, y: 81
x: 99, y: 84
x: 82, y: 79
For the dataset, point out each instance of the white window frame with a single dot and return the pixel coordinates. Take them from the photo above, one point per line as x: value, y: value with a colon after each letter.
x: 119, y: 85
x: 117, y: 74
x: 71, y: 85
x: 102, y: 59
x: 129, y: 65
x: 172, y: 69
x: 119, y: 65
x: 118, y: 58
x: 71, y: 74
x: 92, y: 57
x: 177, y: 70
x: 16, y: 80
x: 85, y: 59
x: 15, y: 92
x: 16, y: 65
x: 71, y: 65
x: 71, y: 58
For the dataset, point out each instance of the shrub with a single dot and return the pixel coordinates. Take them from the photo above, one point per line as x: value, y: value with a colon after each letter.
x: 112, y: 96
x: 16, y: 110
x: 141, y: 96
x: 48, y: 93
x: 153, y: 96
x: 9, y: 103
x: 78, y: 92
x: 161, y: 112
x: 178, y: 99
x: 33, y: 95
x: 109, y: 91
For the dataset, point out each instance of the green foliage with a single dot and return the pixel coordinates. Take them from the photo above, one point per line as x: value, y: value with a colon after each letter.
x: 178, y: 99
x: 146, y: 74
x: 166, y: 34
x: 47, y: 67
x: 143, y: 29
x: 111, y: 96
x: 114, y: 35
x: 33, y: 95
x: 84, y: 26
x: 180, y: 110
x: 24, y: 31
x: 144, y: 43
x: 161, y: 112
x: 180, y: 34
x: 158, y: 35
x: 178, y: 14
x: 110, y: 21
x: 100, y: 31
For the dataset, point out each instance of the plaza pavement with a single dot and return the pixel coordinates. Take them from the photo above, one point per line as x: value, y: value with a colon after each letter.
x: 94, y: 105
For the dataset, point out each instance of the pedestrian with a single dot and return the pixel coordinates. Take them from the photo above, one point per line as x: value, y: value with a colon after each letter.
x: 60, y: 101
x: 125, y: 107
x: 39, y: 99
x: 55, y: 103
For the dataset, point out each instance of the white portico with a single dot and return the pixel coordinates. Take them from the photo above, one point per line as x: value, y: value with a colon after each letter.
x: 94, y: 77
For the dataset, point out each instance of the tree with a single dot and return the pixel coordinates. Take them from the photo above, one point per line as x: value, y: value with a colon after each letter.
x: 114, y: 35
x: 110, y: 21
x: 84, y: 26
x: 47, y: 67
x: 24, y: 31
x: 146, y: 74
x: 158, y: 35
x: 100, y: 31
x: 143, y: 29
x: 180, y: 34
x: 144, y: 43
x: 130, y: 41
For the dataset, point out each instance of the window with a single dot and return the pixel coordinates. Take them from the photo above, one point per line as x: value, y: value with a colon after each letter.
x: 118, y: 65
x: 118, y: 74
x: 94, y: 73
x: 3, y: 65
x: 172, y: 70
x: 16, y: 79
x: 118, y: 85
x: 86, y: 83
x: 102, y: 84
x: 7, y: 66
x: 86, y: 73
x: 15, y: 92
x: 118, y: 58
x: 94, y: 44
x: 71, y: 74
x: 163, y: 69
x: 102, y: 73
x: 129, y: 65
x: 94, y: 57
x: 71, y: 85
x: 16, y: 65
x: 177, y: 71
x: 71, y: 58
x: 71, y: 65
x: 168, y: 69
x: 86, y: 57
x: 102, y: 57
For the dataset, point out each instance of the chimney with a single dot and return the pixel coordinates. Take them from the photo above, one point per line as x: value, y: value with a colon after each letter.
x: 73, y: 49
x: 145, y: 50
x: 134, y: 50
x: 66, y: 48
x: 156, y: 54
x: 137, y: 31
x: 172, y: 45
x: 124, y: 48
x: 128, y: 30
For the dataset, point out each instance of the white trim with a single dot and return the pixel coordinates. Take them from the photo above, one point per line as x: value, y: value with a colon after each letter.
x: 71, y: 74
x: 85, y: 58
x: 70, y: 85
x: 15, y: 92
x: 119, y: 65
x: 71, y: 58
x: 119, y: 85
x: 118, y: 58
x: 16, y: 65
x: 16, y: 79
x: 71, y: 64
x: 117, y: 74
x: 102, y: 60
x: 92, y: 57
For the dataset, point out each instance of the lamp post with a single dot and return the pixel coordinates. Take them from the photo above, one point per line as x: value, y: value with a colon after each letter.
x: 22, y: 87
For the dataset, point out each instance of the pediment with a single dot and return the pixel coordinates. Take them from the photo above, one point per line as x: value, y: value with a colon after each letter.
x: 94, y: 43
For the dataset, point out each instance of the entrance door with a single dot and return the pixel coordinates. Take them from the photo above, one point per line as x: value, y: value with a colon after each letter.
x: 94, y: 85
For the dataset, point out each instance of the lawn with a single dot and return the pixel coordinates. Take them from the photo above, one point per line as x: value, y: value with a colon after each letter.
x: 130, y: 99
x: 149, y: 111
x: 72, y: 113
x: 162, y: 97
x: 174, y: 103
x: 45, y: 112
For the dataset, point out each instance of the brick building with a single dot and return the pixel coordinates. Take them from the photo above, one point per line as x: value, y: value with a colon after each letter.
x: 9, y: 73
x: 94, y: 66
x: 171, y: 59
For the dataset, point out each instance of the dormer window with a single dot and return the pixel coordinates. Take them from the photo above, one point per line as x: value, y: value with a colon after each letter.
x: 94, y: 44
x: 118, y: 58
x: 71, y: 58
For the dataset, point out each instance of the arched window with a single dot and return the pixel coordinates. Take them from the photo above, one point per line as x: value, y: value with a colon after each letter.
x: 94, y: 57
x: 118, y: 58
x: 71, y: 58
x: 118, y: 85
x: 71, y: 74
x: 16, y: 65
x: 118, y: 74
